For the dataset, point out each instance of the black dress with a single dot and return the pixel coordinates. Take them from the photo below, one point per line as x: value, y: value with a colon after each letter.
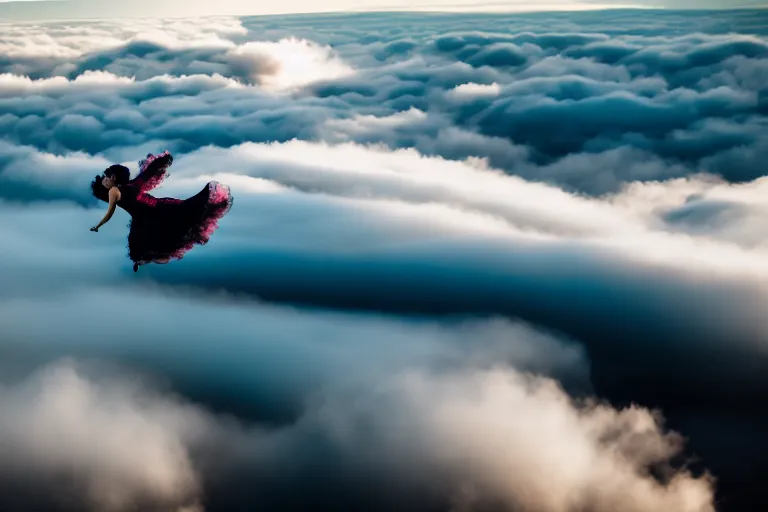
x: 164, y: 228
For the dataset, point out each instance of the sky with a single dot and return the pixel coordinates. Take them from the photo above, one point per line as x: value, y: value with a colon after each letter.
x: 40, y: 9
x: 474, y: 262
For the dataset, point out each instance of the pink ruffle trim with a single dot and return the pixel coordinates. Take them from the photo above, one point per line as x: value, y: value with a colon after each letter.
x: 219, y: 204
x: 159, y: 175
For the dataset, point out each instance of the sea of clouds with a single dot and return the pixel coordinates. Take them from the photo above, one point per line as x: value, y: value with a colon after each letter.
x: 475, y: 262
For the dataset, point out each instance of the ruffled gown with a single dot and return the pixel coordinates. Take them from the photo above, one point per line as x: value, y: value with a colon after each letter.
x: 165, y: 228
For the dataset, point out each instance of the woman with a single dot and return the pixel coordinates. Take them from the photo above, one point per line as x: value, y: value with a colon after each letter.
x: 161, y: 228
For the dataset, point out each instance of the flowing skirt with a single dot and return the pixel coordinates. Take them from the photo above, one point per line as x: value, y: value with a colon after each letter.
x: 169, y: 227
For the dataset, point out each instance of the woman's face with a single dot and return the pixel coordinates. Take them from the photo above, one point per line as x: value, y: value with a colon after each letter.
x: 107, y: 181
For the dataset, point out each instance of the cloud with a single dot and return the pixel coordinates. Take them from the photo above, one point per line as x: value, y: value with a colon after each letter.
x: 433, y: 437
x: 681, y: 104
x: 373, y: 214
x: 112, y: 445
x: 361, y: 228
x: 442, y: 224
x: 296, y: 62
x: 472, y: 90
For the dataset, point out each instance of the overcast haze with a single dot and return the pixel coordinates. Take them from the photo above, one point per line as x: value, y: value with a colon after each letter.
x: 475, y: 262
x: 43, y: 9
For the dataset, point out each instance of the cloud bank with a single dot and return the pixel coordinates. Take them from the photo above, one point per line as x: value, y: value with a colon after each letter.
x: 475, y: 263
x: 588, y: 111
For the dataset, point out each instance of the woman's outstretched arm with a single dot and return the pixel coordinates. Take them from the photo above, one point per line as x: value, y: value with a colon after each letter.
x: 114, y: 196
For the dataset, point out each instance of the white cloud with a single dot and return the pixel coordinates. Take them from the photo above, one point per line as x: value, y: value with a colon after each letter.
x: 521, y: 441
x: 434, y: 192
x: 469, y: 91
x: 477, y: 436
x: 118, y: 443
x: 384, y: 166
x: 292, y: 63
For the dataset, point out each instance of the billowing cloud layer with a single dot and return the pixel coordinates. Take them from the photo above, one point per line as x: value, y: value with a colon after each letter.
x: 428, y: 433
x: 469, y: 266
x: 589, y: 111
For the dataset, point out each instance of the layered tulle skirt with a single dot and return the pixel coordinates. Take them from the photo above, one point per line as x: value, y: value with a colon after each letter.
x: 167, y: 228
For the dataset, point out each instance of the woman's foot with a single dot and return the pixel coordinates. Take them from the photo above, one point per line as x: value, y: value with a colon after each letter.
x: 163, y: 261
x: 135, y: 267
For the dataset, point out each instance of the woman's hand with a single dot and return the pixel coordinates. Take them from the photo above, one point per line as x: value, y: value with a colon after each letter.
x: 114, y: 196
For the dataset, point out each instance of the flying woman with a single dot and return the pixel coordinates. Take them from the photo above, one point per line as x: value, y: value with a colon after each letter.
x: 161, y: 228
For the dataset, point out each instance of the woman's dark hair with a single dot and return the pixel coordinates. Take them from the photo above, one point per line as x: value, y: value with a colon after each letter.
x: 120, y: 173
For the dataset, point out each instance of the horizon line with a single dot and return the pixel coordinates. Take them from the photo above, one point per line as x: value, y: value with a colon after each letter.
x: 28, y: 4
